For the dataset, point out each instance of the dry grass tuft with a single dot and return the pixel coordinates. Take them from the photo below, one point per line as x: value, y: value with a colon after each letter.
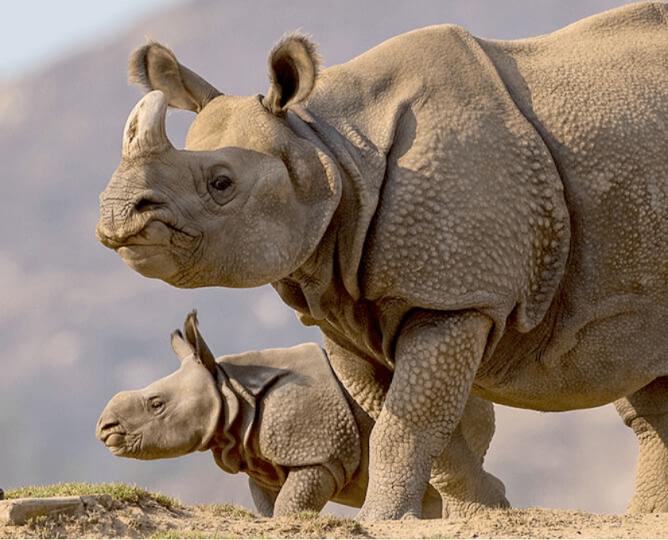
x: 120, y: 492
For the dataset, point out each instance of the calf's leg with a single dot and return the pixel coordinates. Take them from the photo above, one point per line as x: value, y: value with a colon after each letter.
x: 306, y: 488
x: 263, y: 499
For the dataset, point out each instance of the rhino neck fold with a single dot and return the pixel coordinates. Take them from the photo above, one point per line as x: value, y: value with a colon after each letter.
x: 334, y: 265
x: 235, y: 425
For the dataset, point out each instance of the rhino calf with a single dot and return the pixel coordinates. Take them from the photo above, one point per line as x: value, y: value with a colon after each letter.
x: 279, y: 415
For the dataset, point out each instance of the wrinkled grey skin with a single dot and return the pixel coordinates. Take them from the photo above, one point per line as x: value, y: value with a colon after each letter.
x: 459, y: 216
x: 279, y: 415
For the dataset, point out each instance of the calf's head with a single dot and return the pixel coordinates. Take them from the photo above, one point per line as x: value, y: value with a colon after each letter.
x: 171, y: 417
x: 245, y: 203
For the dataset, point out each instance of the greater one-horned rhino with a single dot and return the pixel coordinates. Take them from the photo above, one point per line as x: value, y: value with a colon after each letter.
x: 279, y: 415
x: 457, y: 215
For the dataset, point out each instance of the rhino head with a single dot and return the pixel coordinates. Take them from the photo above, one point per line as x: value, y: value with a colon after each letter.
x: 245, y: 203
x: 171, y: 417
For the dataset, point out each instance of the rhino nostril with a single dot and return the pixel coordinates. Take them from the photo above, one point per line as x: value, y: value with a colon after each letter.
x: 144, y: 205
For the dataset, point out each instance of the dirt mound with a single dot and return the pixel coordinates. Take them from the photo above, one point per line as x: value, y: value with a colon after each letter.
x: 146, y: 515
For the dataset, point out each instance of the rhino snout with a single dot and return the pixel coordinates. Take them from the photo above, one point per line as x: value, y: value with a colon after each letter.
x: 118, y: 224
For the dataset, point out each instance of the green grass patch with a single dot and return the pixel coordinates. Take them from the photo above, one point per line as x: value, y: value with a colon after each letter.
x: 118, y: 491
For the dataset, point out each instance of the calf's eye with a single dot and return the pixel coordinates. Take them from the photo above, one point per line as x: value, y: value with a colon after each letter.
x: 156, y: 405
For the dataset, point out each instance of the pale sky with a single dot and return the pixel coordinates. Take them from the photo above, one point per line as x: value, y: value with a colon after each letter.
x: 35, y: 32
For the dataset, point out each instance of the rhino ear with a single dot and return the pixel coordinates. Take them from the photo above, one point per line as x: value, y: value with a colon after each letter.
x: 196, y: 341
x: 293, y: 67
x: 155, y: 67
x: 182, y: 349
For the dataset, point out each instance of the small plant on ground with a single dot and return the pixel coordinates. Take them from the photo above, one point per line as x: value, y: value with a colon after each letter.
x: 317, y: 525
x: 228, y: 510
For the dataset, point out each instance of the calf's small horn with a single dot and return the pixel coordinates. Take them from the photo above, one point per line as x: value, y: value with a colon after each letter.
x: 145, y: 131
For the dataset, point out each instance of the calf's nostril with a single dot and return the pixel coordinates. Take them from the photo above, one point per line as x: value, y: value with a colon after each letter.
x: 108, y: 426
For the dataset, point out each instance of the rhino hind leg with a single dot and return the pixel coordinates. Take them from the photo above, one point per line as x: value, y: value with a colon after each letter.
x: 465, y: 487
x: 458, y: 473
x: 646, y: 412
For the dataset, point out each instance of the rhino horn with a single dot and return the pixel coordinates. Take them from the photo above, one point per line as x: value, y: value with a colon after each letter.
x: 145, y: 131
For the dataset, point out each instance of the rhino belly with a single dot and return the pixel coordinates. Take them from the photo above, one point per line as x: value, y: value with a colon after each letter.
x: 592, y: 357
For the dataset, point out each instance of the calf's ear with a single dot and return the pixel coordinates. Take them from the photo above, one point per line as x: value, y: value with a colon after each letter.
x: 155, y: 67
x: 196, y: 341
x: 293, y: 67
x: 182, y: 349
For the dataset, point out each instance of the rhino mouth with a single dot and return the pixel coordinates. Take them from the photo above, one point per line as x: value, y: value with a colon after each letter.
x: 153, y: 233
x: 153, y: 250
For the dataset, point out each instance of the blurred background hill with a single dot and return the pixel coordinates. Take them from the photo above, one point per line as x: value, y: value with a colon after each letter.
x: 77, y: 325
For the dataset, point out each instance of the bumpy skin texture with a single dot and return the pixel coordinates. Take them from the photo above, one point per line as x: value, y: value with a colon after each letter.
x: 459, y: 216
x: 278, y: 415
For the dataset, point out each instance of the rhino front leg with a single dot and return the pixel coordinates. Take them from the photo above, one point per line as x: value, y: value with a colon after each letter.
x: 436, y: 358
x: 365, y: 380
x: 306, y: 488
x: 646, y: 412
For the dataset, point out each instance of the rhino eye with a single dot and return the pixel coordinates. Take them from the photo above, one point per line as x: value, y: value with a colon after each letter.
x: 220, y: 189
x: 156, y: 405
x: 221, y: 183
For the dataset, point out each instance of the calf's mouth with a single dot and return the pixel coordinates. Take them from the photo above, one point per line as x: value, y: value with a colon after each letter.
x: 114, y: 440
x: 112, y: 434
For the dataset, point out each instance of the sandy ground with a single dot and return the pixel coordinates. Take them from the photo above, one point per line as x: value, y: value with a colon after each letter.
x: 105, y: 518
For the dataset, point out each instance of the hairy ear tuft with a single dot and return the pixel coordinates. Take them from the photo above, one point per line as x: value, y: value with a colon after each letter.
x: 138, y: 67
x: 294, y: 65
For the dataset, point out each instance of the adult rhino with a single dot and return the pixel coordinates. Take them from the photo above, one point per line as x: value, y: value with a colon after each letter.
x: 457, y: 215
